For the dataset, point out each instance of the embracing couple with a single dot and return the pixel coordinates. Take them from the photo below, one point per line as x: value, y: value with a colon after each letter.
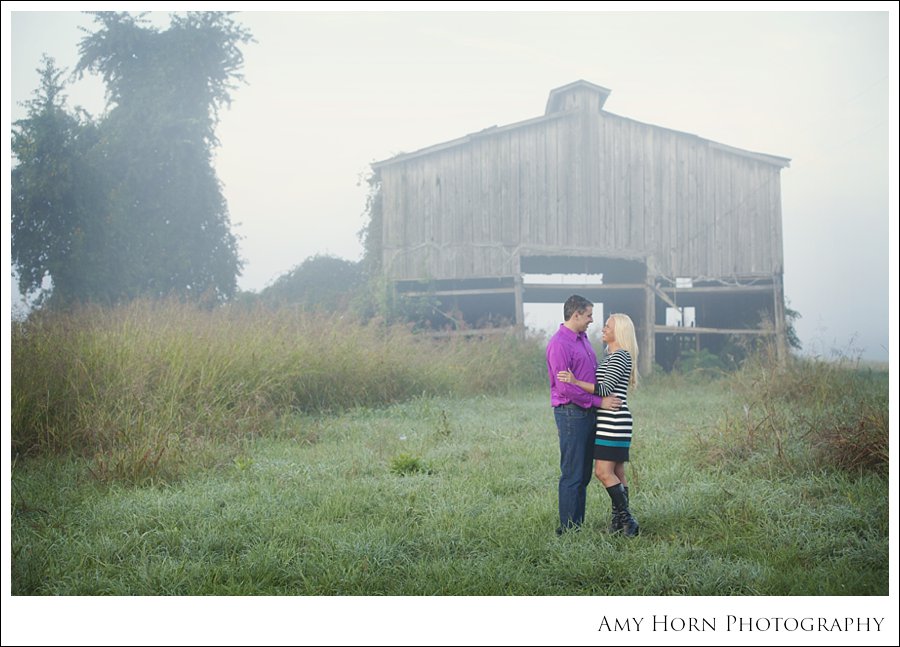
x: 590, y: 405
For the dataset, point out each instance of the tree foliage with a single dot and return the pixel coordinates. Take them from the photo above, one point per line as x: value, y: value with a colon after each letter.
x: 793, y: 339
x: 53, y: 201
x: 371, y: 233
x: 320, y: 283
x: 140, y: 210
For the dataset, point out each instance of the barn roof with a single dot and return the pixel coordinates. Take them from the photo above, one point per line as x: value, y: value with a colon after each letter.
x: 556, y: 109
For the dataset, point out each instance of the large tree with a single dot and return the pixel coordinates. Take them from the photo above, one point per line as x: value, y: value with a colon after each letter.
x: 159, y: 221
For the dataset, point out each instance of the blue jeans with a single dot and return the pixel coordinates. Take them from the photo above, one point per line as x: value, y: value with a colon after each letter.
x: 576, y: 461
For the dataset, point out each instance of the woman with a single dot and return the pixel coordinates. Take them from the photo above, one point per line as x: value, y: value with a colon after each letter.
x: 616, y: 375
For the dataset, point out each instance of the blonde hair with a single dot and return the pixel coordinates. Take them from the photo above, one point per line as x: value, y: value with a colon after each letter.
x: 627, y: 340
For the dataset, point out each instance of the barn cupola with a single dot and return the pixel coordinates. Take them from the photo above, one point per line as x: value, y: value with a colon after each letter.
x: 579, y: 95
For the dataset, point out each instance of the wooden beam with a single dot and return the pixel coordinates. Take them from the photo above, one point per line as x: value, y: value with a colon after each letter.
x: 584, y: 286
x: 664, y: 296
x: 679, y: 330
x: 520, y: 306
x: 721, y: 289
x: 509, y: 330
x: 647, y: 355
x: 780, y: 321
x: 457, y: 293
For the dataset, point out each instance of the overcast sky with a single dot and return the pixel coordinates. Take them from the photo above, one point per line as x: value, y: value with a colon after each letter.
x: 329, y: 93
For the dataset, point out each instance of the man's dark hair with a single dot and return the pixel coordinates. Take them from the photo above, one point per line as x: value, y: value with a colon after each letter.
x: 575, y: 304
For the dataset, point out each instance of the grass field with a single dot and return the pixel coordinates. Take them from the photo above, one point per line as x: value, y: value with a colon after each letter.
x: 164, y: 450
x: 457, y: 496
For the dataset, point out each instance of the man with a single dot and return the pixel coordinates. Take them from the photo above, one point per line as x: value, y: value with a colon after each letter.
x: 573, y: 408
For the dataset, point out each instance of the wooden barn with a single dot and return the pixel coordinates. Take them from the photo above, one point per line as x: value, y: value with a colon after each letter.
x: 679, y: 232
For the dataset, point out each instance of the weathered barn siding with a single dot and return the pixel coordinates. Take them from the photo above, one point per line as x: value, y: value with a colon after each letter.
x: 640, y: 204
x: 587, y: 182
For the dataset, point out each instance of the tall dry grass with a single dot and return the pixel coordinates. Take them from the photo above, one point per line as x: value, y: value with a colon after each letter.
x: 150, y: 390
x: 806, y: 413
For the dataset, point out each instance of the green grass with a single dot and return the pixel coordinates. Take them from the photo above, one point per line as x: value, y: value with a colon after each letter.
x: 456, y: 495
x: 159, y: 449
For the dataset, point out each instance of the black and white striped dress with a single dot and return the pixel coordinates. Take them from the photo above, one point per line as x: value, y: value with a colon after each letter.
x: 613, y: 432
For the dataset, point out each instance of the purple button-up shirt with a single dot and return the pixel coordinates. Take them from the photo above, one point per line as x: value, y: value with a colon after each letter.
x: 573, y: 351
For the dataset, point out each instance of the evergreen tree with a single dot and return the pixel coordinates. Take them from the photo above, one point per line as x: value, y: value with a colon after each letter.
x: 56, y: 228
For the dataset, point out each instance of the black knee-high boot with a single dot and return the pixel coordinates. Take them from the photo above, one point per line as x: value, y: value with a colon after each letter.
x: 615, y: 524
x: 628, y: 505
x: 622, y: 519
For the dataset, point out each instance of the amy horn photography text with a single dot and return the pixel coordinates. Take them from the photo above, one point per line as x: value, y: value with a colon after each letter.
x: 740, y: 623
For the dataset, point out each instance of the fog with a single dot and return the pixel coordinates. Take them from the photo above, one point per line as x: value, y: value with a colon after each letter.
x: 329, y: 93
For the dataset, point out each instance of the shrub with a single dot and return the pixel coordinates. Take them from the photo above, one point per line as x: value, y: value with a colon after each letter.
x: 406, y: 464
x: 862, y: 445
x: 701, y: 363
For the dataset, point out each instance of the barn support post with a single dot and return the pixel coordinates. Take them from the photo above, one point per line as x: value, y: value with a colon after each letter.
x: 520, y: 305
x: 780, y: 324
x: 648, y: 336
